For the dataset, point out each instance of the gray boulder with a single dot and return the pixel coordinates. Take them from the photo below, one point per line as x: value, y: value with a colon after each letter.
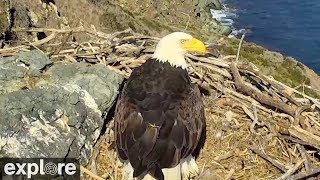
x: 53, y: 109
x: 15, y: 70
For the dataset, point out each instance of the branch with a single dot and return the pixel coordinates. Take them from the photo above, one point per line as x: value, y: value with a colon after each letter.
x: 275, y: 163
x: 239, y: 47
x: 255, y: 94
x: 291, y: 171
x: 304, y: 175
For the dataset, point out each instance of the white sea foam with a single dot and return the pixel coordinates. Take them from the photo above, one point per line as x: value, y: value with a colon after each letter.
x: 226, y: 17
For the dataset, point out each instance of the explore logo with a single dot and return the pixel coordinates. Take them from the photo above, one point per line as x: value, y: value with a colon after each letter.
x: 41, y: 167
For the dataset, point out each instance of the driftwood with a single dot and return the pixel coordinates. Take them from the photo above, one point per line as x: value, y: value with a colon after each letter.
x: 276, y: 106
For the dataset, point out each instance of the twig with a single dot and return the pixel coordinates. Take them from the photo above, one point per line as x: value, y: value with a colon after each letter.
x: 280, y: 89
x: 223, y: 157
x: 230, y: 173
x: 112, y: 36
x: 62, y: 43
x: 239, y: 47
x: 253, y: 116
x: 88, y: 172
x: 187, y: 21
x: 305, y: 136
x: 217, y: 62
x: 37, y: 43
x: 268, y: 158
x: 215, y: 69
x: 295, y: 140
x: 304, y: 175
x: 307, y: 163
x: 315, y: 101
x: 77, y: 29
x: 291, y: 171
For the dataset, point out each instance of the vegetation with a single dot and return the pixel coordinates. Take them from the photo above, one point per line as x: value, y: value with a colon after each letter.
x: 283, y: 69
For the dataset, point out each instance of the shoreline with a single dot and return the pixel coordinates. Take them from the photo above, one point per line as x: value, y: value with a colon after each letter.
x: 275, y: 36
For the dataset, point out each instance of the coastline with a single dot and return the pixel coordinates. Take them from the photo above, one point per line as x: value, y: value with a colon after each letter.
x: 283, y: 68
x: 277, y: 27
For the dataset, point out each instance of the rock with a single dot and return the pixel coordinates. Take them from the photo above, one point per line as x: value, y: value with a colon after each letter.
x: 116, y: 18
x: 208, y: 4
x: 225, y: 30
x: 202, y: 9
x: 211, y: 4
x: 217, y: 5
x: 35, y: 60
x: 14, y: 70
x: 60, y: 114
x: 96, y: 79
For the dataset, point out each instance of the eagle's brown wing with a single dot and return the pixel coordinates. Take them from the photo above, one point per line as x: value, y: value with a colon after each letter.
x: 156, y: 127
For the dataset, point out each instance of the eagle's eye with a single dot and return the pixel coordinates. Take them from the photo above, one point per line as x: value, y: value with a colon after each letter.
x: 182, y: 41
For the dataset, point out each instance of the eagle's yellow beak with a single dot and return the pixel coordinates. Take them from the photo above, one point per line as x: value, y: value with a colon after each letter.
x: 194, y: 45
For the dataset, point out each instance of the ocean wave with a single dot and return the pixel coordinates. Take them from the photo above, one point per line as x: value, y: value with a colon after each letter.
x: 226, y: 17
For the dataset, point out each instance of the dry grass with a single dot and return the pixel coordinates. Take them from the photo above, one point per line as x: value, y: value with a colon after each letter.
x: 228, y: 136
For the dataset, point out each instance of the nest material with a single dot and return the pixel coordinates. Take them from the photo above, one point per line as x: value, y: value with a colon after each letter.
x: 250, y: 115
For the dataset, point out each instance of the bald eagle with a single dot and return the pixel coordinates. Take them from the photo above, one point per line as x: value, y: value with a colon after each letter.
x: 160, y: 125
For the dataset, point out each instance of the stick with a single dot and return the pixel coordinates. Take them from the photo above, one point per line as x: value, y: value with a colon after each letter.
x: 88, y: 172
x: 304, y: 175
x: 230, y: 173
x: 307, y: 163
x: 77, y: 29
x: 295, y: 140
x: 217, y: 62
x: 255, y: 94
x: 63, y: 43
x: 291, y: 171
x: 239, y: 47
x: 280, y: 89
x: 306, y: 136
x: 275, y: 163
x: 37, y: 43
x: 315, y: 101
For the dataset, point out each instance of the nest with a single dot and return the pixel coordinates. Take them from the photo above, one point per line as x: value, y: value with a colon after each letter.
x: 258, y: 128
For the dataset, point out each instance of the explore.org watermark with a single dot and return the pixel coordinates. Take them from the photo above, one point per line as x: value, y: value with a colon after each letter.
x: 36, y: 168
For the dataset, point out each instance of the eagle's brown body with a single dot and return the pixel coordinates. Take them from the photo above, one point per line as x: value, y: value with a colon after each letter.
x: 159, y: 118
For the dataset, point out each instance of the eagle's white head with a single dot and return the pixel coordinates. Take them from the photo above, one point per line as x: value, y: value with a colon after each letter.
x: 174, y: 46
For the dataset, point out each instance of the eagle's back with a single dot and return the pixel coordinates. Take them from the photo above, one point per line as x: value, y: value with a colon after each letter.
x: 159, y: 118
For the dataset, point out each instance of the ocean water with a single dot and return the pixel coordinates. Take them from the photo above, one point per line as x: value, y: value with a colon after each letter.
x: 291, y: 27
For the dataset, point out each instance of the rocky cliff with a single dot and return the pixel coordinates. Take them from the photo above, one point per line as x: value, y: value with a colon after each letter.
x: 143, y: 16
x: 147, y: 17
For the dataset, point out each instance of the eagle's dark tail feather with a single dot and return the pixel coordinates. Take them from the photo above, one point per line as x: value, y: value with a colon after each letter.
x: 156, y: 172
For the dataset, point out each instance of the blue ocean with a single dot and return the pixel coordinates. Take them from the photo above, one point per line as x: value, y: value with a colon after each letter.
x: 291, y: 27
